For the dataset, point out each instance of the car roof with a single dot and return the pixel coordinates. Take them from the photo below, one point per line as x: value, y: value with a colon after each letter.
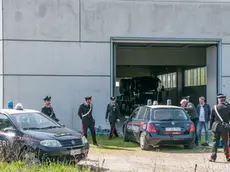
x: 164, y: 106
x: 14, y: 111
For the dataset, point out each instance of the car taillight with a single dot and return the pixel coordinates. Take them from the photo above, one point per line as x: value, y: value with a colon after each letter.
x: 151, y: 128
x: 192, y: 128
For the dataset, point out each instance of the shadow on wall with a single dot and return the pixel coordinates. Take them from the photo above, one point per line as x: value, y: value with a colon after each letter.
x: 194, y: 93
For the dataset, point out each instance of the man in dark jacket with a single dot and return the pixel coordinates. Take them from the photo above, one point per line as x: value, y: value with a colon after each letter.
x: 48, y: 110
x: 192, y: 111
x: 85, y: 113
x: 113, y: 113
x: 204, y: 112
x: 220, y: 127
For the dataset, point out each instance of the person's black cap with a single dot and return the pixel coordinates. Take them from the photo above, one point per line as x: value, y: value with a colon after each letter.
x: 88, y: 97
x: 112, y: 98
x: 47, y: 98
x: 219, y: 96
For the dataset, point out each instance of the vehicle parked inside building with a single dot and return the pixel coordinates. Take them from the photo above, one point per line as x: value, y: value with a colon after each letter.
x: 159, y: 125
x: 29, y: 135
x: 137, y: 90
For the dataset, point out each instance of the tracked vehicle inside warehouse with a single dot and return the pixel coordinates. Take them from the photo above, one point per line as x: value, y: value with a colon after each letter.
x: 137, y: 90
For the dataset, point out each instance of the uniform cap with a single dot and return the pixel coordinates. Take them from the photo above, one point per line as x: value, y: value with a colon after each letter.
x: 221, y: 95
x: 112, y: 98
x: 47, y: 98
x: 88, y: 97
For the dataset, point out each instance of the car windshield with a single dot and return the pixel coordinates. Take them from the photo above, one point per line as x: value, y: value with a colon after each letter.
x: 33, y: 120
x: 169, y: 114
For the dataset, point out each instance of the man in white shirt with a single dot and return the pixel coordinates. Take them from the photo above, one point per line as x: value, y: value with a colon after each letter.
x: 204, y: 112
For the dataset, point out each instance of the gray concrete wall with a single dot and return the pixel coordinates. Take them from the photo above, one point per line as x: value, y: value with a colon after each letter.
x: 1, y: 60
x: 156, y: 56
x: 102, y: 19
x: 226, y: 70
x: 47, y: 44
x: 66, y: 71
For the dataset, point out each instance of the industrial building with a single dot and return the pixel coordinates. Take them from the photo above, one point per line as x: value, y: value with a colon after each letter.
x: 72, y: 48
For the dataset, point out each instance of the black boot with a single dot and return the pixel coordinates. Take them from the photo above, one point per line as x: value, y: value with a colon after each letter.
x: 213, y: 158
x: 95, y: 144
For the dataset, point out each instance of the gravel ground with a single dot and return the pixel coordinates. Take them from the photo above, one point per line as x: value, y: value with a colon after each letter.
x: 159, y: 160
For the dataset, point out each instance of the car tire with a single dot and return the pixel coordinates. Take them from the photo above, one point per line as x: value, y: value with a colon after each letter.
x: 125, y: 135
x: 143, y: 141
x: 190, y: 146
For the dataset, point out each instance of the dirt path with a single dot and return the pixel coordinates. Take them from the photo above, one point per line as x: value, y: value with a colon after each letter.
x: 168, y: 160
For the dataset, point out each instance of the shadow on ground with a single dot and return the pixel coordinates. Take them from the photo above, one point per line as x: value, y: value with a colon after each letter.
x: 92, y: 168
x: 117, y: 143
x: 180, y: 149
x: 114, y: 148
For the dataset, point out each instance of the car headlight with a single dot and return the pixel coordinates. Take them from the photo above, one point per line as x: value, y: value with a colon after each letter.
x: 84, y: 140
x: 51, y: 143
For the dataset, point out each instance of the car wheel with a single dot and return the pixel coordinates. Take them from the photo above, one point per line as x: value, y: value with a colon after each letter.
x: 125, y: 135
x: 190, y: 146
x: 143, y: 141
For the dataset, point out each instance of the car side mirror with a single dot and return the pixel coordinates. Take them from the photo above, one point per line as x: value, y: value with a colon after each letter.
x: 9, y: 130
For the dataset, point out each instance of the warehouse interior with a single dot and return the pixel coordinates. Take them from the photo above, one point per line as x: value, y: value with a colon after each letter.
x: 184, y: 69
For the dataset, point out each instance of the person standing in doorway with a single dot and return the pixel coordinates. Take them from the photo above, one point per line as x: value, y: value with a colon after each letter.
x: 85, y: 113
x: 113, y: 113
x: 204, y: 112
x: 192, y: 111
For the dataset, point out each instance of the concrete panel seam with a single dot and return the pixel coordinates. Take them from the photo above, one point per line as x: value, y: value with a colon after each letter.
x: 3, y: 54
x: 58, y: 41
x: 79, y: 20
x: 185, y: 2
x: 225, y: 76
x: 54, y: 75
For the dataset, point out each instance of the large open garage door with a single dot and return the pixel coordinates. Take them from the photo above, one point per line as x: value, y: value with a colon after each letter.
x: 154, y: 69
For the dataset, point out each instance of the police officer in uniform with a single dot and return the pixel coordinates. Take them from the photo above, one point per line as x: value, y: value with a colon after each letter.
x: 220, y: 128
x: 48, y: 110
x: 113, y: 113
x: 85, y: 113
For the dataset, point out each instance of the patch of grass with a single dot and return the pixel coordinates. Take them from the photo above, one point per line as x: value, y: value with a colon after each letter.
x: 203, y: 137
x: 114, y: 143
x: 22, y: 167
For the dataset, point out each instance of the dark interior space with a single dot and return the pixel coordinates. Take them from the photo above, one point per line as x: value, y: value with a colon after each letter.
x: 172, y: 64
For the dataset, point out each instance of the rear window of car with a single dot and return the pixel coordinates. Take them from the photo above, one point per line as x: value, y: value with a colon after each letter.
x: 169, y: 114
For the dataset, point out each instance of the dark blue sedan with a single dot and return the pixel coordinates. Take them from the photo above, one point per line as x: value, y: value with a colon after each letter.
x: 159, y: 125
x: 29, y: 135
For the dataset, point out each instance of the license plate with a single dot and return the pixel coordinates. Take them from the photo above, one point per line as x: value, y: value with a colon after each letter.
x: 75, y: 152
x: 173, y: 129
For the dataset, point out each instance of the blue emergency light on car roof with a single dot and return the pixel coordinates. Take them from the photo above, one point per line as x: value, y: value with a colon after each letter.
x: 19, y: 106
